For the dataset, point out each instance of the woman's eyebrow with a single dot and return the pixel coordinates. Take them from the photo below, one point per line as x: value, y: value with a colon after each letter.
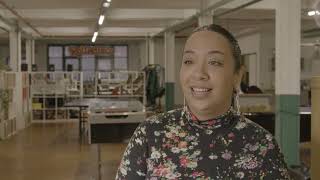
x: 216, y: 52
x: 189, y: 52
x: 210, y: 52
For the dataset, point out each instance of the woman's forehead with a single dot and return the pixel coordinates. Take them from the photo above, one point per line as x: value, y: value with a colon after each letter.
x: 207, y: 40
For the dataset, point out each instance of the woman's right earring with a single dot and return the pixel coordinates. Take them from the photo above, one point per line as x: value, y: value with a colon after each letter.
x: 236, y: 103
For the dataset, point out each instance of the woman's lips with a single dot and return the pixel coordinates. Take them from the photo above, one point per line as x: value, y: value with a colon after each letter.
x: 200, y: 91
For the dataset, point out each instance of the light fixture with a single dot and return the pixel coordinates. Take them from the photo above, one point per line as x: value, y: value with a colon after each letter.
x: 313, y: 13
x: 106, y: 4
x: 101, y: 18
x: 109, y: 1
x: 94, y: 39
x: 95, y: 34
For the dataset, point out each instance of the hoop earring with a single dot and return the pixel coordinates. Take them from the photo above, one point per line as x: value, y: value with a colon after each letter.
x: 236, y: 104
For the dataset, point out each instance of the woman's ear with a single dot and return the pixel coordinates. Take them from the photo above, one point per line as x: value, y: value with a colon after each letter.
x: 238, y: 77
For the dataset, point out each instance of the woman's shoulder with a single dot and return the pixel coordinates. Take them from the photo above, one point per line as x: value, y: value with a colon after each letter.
x: 248, y: 127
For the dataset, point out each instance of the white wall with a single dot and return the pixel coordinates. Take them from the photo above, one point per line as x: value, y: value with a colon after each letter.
x: 311, y: 61
x: 41, y: 55
x: 267, y: 49
x: 250, y: 44
x: 4, y: 52
x: 134, y: 60
x: 263, y: 43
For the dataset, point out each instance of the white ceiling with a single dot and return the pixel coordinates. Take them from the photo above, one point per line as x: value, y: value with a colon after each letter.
x: 127, y: 18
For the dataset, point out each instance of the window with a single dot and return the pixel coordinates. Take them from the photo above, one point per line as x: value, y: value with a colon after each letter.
x: 74, y: 63
x: 121, y: 57
x: 104, y: 65
x: 61, y: 57
x: 56, y: 57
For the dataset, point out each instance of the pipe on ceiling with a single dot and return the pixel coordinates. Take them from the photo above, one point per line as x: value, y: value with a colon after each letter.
x: 189, y: 21
x: 20, y: 17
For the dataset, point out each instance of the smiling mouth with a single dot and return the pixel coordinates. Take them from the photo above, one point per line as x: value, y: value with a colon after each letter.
x: 196, y: 91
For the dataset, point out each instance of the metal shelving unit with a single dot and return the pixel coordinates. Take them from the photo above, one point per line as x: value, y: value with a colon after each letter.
x: 50, y: 91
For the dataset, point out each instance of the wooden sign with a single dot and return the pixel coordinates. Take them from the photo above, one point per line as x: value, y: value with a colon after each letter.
x: 89, y: 50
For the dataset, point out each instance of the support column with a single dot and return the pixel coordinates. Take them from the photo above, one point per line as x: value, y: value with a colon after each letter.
x: 288, y: 27
x: 315, y: 128
x: 151, y: 50
x: 29, y: 53
x: 33, y: 49
x: 169, y: 51
x: 15, y: 65
x: 15, y: 50
x: 205, y: 19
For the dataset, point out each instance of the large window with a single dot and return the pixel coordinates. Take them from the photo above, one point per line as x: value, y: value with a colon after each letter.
x: 120, y: 57
x: 56, y: 57
x: 62, y: 58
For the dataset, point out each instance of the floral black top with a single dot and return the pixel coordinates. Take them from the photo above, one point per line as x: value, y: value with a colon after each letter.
x: 175, y: 146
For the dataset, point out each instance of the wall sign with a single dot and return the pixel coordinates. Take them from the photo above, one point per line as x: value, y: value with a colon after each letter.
x: 89, y: 50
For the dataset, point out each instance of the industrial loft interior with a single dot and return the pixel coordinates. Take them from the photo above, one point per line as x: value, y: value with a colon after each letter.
x: 78, y: 77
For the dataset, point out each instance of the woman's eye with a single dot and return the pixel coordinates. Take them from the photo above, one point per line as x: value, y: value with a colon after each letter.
x: 187, y: 62
x: 215, y: 63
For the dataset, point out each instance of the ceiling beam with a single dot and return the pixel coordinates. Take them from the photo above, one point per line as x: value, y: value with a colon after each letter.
x: 19, y: 17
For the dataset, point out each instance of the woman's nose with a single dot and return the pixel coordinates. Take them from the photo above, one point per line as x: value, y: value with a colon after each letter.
x: 201, y: 72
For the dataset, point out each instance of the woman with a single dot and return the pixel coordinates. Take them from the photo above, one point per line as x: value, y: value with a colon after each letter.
x: 208, y: 138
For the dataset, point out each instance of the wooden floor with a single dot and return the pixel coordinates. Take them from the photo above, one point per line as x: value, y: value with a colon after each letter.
x: 53, y: 152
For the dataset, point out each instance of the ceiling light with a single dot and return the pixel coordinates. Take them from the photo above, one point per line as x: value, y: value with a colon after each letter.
x: 94, y: 39
x: 95, y: 34
x: 106, y: 4
x: 109, y: 1
x: 311, y: 13
x: 101, y: 18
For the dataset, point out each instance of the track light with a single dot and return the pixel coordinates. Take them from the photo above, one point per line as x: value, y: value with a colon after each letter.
x: 95, y: 34
x: 313, y: 13
x: 106, y: 4
x: 101, y: 18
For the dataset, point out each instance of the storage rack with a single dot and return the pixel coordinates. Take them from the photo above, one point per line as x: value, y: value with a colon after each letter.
x: 49, y: 92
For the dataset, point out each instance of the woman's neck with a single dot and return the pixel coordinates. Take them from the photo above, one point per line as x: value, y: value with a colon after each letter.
x: 203, y: 115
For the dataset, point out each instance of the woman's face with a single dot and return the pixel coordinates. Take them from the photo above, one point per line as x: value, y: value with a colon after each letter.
x: 207, y: 74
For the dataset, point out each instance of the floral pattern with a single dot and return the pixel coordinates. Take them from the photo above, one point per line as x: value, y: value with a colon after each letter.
x: 174, y: 145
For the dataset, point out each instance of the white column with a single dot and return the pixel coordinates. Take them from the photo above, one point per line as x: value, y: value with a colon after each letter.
x: 207, y: 18
x: 29, y: 53
x: 151, y: 50
x: 15, y: 50
x: 288, y: 33
x: 33, y: 58
x: 169, y: 51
